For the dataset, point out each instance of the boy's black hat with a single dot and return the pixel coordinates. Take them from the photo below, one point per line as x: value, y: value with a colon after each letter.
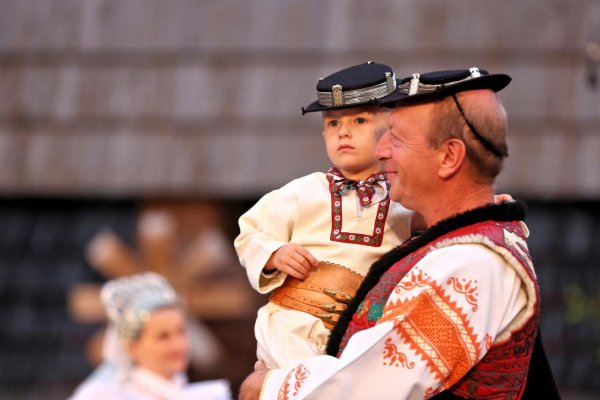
x: 359, y: 85
x: 423, y: 88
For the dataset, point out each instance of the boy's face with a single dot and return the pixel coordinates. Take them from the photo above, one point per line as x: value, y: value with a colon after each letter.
x: 350, y: 138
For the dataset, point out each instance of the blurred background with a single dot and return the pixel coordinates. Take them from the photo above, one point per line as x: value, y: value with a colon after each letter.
x: 134, y: 133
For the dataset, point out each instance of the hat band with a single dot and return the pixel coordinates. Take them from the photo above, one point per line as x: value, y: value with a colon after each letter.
x: 338, y: 97
x: 414, y: 86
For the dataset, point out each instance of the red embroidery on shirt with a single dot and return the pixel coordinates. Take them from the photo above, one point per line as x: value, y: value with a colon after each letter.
x: 466, y: 287
x: 284, y: 390
x: 393, y: 357
x: 488, y: 341
x: 431, y: 391
x: 300, y: 373
x: 438, y: 330
x: 337, y: 233
x: 417, y: 279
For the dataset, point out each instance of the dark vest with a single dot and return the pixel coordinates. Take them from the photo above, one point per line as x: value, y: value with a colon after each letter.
x: 503, y: 371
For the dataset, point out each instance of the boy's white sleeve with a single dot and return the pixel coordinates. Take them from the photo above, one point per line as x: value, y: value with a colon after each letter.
x: 265, y: 228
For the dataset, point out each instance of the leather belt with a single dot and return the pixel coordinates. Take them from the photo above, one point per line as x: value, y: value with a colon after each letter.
x: 323, y: 294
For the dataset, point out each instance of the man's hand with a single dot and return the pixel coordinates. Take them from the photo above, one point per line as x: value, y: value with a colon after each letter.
x: 250, y: 389
x: 501, y: 198
x: 292, y: 259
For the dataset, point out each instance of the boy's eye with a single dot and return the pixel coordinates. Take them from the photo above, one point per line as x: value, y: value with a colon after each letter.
x: 332, y: 123
x: 361, y: 120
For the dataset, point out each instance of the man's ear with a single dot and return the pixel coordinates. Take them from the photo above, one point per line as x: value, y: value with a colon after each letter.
x: 452, y: 156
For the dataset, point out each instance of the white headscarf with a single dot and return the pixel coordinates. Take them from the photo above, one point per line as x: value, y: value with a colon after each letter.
x: 130, y: 301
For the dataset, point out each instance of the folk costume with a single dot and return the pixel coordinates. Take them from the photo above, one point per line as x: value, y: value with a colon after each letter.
x: 456, y: 308
x: 128, y: 302
x: 336, y: 228
x: 452, y: 313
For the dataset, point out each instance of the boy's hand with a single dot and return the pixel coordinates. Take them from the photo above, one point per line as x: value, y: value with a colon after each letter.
x: 292, y: 259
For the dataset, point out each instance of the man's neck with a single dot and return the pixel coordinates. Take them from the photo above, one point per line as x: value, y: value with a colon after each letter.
x: 458, y: 200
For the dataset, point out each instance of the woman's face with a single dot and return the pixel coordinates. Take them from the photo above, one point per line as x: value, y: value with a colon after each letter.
x: 162, y: 346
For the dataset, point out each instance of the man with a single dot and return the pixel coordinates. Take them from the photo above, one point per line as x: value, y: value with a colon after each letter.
x: 455, y: 311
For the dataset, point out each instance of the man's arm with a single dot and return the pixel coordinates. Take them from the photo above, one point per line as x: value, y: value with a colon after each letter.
x: 252, y: 385
x: 439, y: 321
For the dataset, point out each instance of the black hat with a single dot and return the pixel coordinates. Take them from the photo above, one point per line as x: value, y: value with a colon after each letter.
x: 356, y: 86
x: 422, y: 88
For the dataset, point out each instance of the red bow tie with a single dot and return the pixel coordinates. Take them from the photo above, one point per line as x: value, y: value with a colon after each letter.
x: 339, y: 185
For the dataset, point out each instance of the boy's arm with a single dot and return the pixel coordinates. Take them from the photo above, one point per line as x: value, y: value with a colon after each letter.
x: 293, y: 260
x: 264, y: 228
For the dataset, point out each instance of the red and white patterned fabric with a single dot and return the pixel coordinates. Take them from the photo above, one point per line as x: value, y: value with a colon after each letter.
x: 339, y: 185
x: 459, y: 313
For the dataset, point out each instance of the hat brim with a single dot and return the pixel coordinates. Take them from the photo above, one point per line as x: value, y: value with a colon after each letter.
x: 495, y: 82
x: 316, y: 106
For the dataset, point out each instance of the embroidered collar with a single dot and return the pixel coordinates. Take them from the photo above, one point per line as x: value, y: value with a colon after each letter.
x: 365, y: 189
x: 508, y: 211
x: 337, y: 234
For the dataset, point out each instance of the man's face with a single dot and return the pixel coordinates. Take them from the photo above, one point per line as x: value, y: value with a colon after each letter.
x: 410, y: 163
x: 350, y: 138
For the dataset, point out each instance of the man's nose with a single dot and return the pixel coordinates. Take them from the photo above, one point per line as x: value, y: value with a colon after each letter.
x: 382, y: 148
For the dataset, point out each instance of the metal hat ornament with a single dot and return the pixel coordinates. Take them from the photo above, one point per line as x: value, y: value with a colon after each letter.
x: 435, y: 85
x: 356, y: 86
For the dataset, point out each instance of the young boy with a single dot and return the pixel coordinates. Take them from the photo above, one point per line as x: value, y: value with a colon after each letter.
x: 312, y: 241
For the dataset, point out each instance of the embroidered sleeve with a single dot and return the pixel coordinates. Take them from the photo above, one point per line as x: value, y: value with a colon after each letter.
x: 438, y: 322
x: 451, y: 306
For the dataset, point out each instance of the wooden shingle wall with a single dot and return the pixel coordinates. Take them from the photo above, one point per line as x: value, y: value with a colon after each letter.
x: 202, y: 98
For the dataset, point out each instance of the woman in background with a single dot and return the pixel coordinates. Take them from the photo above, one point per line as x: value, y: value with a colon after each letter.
x: 146, y: 348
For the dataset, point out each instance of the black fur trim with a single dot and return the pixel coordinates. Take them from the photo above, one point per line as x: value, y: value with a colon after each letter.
x: 507, y: 211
